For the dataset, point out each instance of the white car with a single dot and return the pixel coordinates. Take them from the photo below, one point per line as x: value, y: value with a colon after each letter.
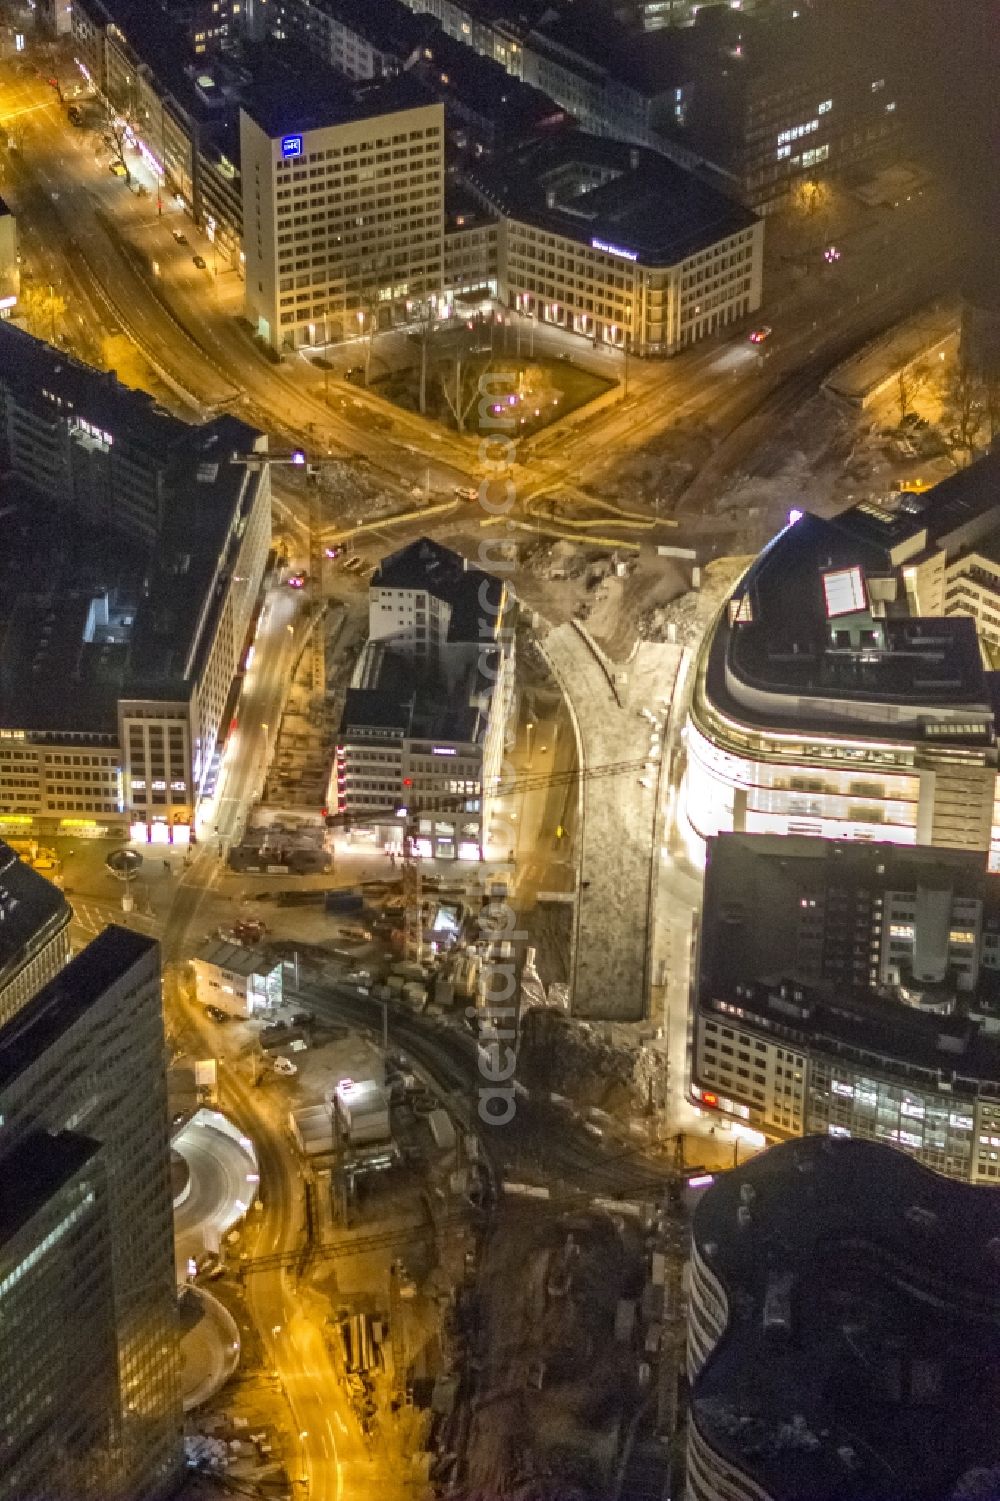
x: 285, y: 1066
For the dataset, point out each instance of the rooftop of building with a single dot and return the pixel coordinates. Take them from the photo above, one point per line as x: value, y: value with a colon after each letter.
x: 821, y: 620
x: 773, y: 945
x: 482, y: 86
x: 634, y: 203
x: 395, y: 693
x: 478, y: 599
x: 967, y: 500
x: 587, y: 37
x: 51, y: 1014
x: 463, y: 210
x: 317, y: 99
x: 387, y: 25
x: 238, y: 958
x: 861, y: 1360
x: 32, y: 911
x: 99, y: 613
x: 33, y: 1171
x: 165, y: 46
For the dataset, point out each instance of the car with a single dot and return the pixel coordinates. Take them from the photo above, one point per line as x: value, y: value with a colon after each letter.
x: 200, y: 262
x: 249, y: 932
x: 74, y: 116
x: 760, y: 335
x: 117, y: 170
x: 179, y: 236
x: 466, y: 492
x: 296, y: 581
x: 285, y: 1066
x: 216, y: 1014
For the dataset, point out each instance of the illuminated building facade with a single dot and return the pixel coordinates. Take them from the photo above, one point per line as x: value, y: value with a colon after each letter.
x: 853, y: 990
x: 161, y: 69
x: 841, y: 693
x: 89, y: 1359
x: 421, y: 739
x: 618, y: 244
x: 343, y: 209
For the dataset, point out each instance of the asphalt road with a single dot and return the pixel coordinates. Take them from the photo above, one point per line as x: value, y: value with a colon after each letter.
x: 222, y: 1183
x: 185, y: 320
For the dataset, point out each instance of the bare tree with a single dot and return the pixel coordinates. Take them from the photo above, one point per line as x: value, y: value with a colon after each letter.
x: 428, y: 319
x: 909, y: 382
x: 117, y: 130
x: 455, y: 394
x: 964, y: 405
x: 812, y: 200
x: 991, y: 405
x: 368, y: 322
x: 41, y: 307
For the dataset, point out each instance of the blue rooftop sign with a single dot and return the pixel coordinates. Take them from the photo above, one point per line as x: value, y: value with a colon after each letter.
x: 291, y: 146
x: 629, y: 255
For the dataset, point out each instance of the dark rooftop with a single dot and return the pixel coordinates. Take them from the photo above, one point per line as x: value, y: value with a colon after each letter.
x: 314, y: 100
x: 50, y: 1014
x: 36, y: 1169
x: 482, y: 87
x: 968, y: 497
x: 646, y: 206
x: 32, y: 911
x: 861, y: 1358
x: 462, y: 209
x: 62, y: 667
x: 415, y: 700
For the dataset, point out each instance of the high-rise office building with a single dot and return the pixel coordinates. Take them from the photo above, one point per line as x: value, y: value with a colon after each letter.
x: 34, y: 932
x: 343, y: 209
x: 843, y: 1331
x: 88, y: 1326
x: 134, y: 553
x: 852, y: 989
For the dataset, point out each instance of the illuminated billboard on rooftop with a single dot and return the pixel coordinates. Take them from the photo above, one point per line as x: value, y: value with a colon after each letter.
x: 844, y: 589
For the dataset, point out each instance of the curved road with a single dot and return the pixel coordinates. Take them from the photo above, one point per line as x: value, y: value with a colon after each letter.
x: 222, y: 1183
